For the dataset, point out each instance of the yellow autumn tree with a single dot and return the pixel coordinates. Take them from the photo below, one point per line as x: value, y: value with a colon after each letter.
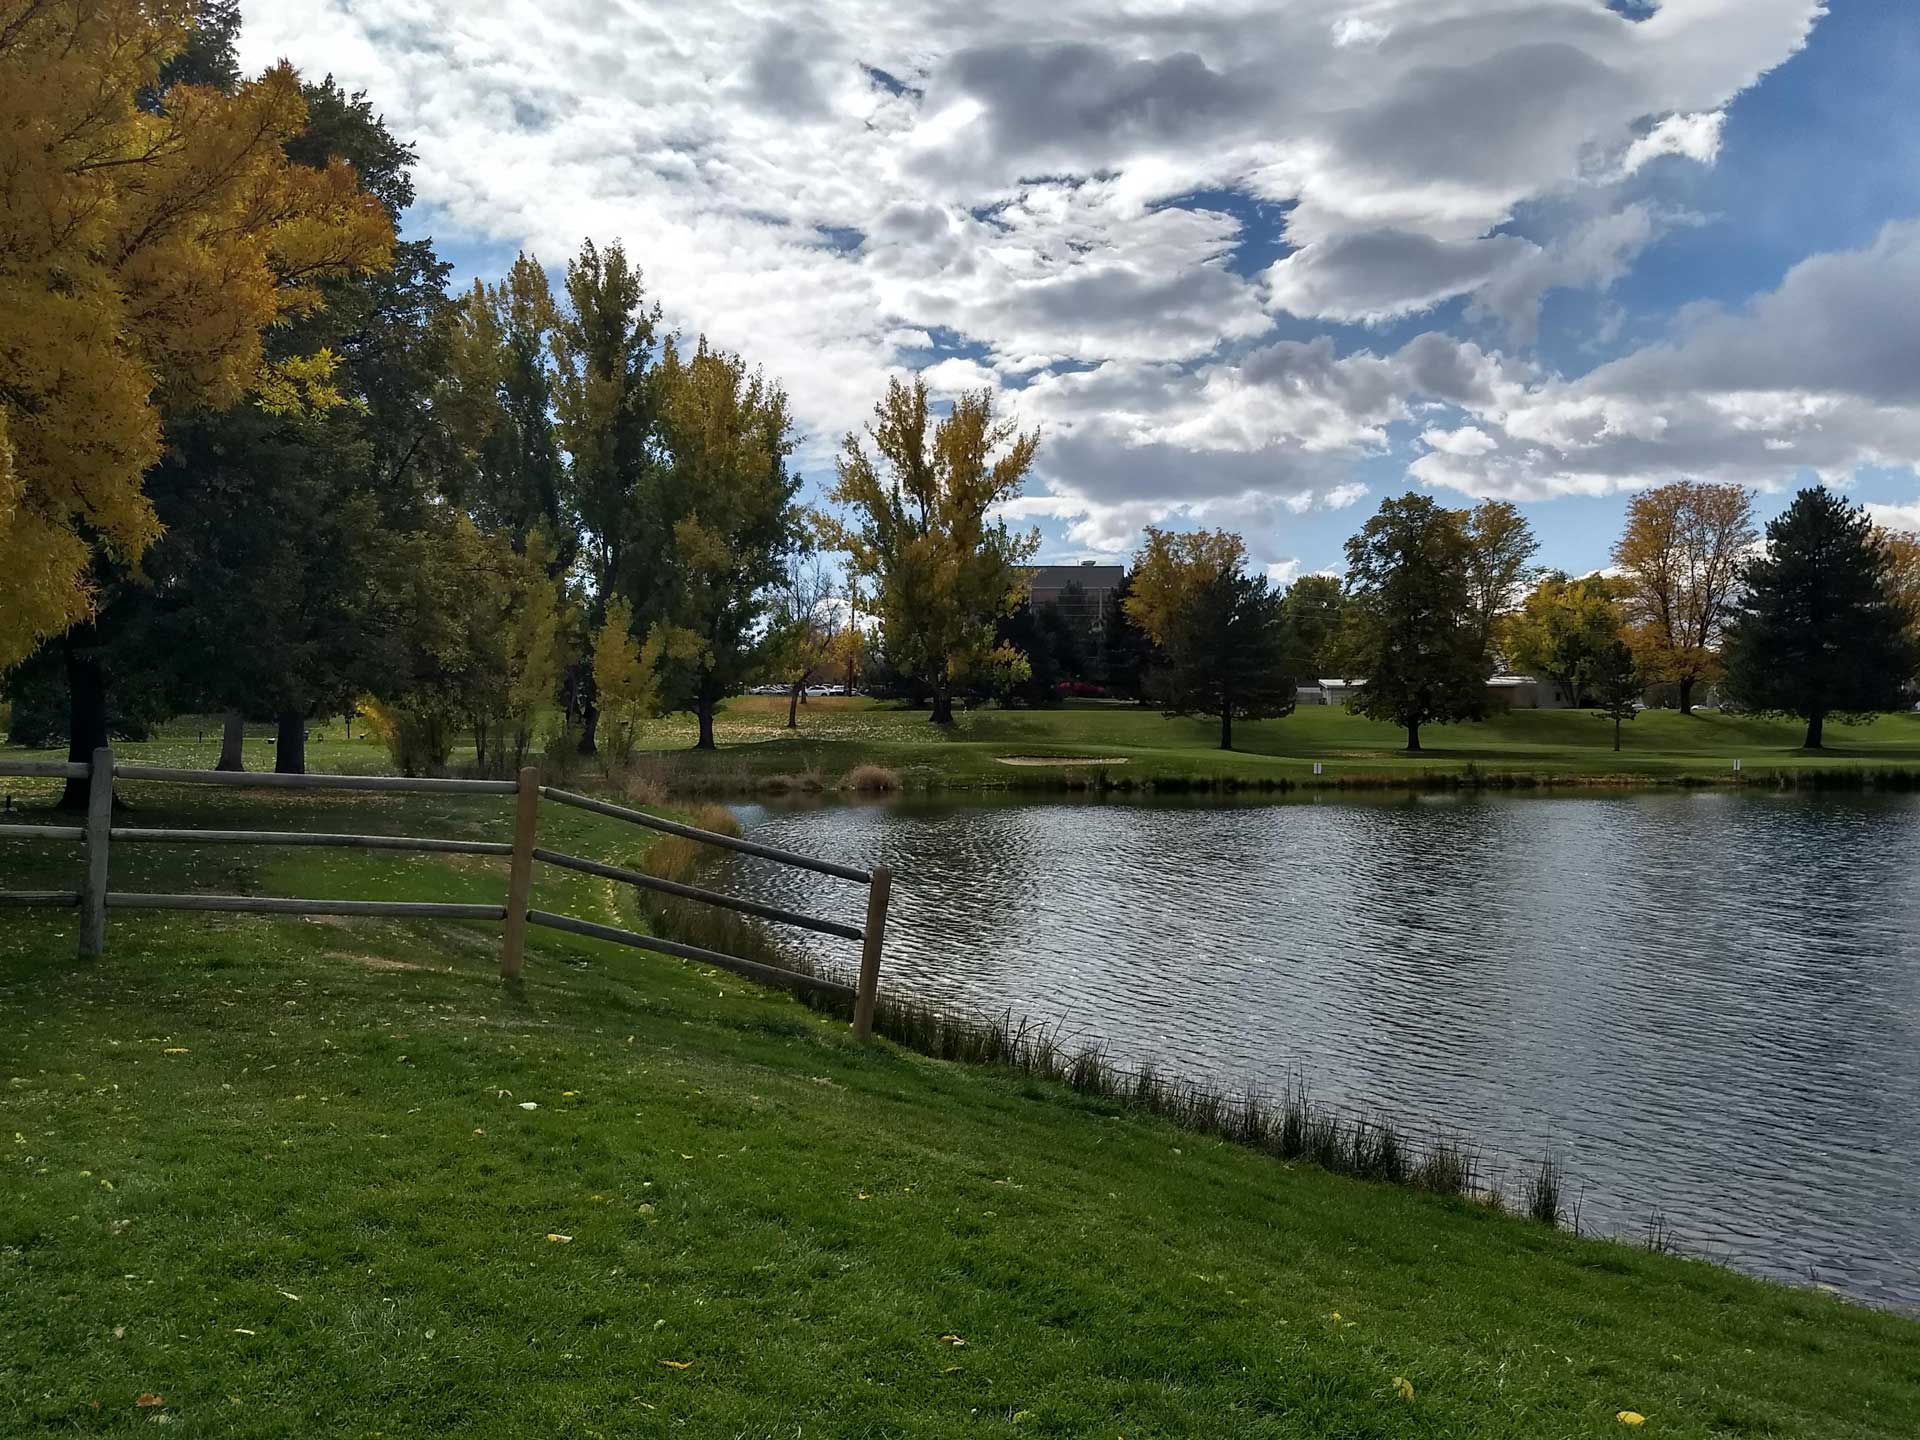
x: 626, y: 679
x: 1172, y: 569
x: 1679, y: 563
x: 143, y: 252
x: 513, y: 614
x: 921, y: 524
x: 1904, y: 574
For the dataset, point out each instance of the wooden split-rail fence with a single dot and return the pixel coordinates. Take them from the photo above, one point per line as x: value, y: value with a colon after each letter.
x: 99, y: 835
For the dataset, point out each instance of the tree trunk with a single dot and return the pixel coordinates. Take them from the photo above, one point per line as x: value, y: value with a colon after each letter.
x: 1413, y: 736
x: 942, y: 704
x: 1816, y: 727
x: 1616, y: 734
x: 1226, y: 727
x: 86, y: 716
x: 290, y: 750
x: 1686, y: 697
x: 706, y: 726
x: 793, y: 708
x: 233, y: 735
x: 589, y: 728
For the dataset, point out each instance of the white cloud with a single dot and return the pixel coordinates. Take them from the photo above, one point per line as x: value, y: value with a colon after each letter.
x: 1468, y: 440
x: 1358, y: 30
x: 1341, y: 496
x: 1697, y: 137
x: 853, y: 183
x: 949, y: 377
x: 1282, y: 573
x: 1896, y: 517
x: 1375, y: 275
x: 1820, y: 376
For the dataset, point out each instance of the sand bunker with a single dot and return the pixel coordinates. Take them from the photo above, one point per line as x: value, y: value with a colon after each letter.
x: 1061, y: 759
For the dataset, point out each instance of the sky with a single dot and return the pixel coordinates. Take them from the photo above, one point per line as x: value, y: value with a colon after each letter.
x: 1253, y: 265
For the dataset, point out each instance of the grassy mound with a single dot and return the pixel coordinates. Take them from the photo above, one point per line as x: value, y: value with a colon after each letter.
x: 295, y: 1177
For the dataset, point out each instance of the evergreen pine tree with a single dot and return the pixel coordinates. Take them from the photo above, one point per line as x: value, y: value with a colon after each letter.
x: 1820, y: 629
x: 1227, y: 654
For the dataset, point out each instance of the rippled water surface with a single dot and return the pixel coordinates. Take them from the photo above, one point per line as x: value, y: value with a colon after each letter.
x: 1706, y: 1004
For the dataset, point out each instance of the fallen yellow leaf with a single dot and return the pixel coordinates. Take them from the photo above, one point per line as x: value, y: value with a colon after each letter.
x: 238, y: 1331
x: 1403, y: 1387
x: 951, y: 1370
x: 175, y: 1050
x: 553, y: 1239
x: 149, y: 1401
x: 1631, y: 1417
x: 678, y: 1364
x: 953, y: 1340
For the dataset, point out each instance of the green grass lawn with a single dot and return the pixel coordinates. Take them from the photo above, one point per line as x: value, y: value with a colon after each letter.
x: 1131, y: 744
x: 301, y: 1177
x: 1138, y: 744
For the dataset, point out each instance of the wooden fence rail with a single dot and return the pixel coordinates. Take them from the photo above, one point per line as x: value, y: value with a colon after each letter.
x: 99, y: 834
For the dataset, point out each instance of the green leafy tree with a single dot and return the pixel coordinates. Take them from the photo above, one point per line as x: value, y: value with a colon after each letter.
x: 1614, y: 682
x: 1227, y: 653
x: 515, y: 621
x: 1316, y: 610
x: 606, y: 403
x: 803, y: 628
x: 1125, y: 649
x: 1500, y: 551
x: 1051, y: 644
x: 1412, y: 629
x: 1566, y: 630
x: 727, y: 436
x: 270, y: 593
x: 1821, y: 627
x: 499, y: 403
x: 919, y: 527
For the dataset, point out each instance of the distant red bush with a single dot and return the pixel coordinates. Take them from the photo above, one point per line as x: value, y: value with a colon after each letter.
x: 1080, y: 690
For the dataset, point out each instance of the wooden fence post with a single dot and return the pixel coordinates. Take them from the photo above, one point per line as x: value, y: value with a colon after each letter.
x: 93, y: 892
x: 878, y: 889
x: 520, y: 873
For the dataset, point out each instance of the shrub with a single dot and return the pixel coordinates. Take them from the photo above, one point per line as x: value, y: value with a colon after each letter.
x: 872, y: 780
x: 418, y: 734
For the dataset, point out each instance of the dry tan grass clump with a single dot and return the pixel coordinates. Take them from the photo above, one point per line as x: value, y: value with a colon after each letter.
x: 674, y: 857
x: 872, y: 780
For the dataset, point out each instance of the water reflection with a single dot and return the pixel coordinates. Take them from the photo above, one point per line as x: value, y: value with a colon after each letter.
x: 1707, y: 1004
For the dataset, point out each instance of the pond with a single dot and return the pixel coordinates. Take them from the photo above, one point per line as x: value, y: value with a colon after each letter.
x: 1706, y: 1004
